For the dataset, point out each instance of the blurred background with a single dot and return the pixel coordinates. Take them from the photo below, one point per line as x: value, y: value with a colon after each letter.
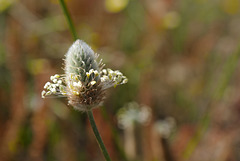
x: 182, y: 101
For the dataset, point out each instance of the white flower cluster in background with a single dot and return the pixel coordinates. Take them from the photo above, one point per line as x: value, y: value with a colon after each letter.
x: 165, y: 127
x: 133, y: 113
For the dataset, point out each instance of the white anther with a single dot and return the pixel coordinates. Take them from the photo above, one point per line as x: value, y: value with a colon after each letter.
x: 54, y: 80
x: 59, y: 82
x: 75, y: 92
x: 88, y: 74
x: 48, y: 93
x: 53, y: 90
x: 93, y: 82
x: 57, y: 76
x: 96, y: 72
x: 51, y: 78
x: 43, y: 94
x: 46, y: 85
x: 91, y: 71
x: 118, y: 73
x: 104, y: 78
x: 124, y: 81
x: 77, y: 84
x: 104, y: 71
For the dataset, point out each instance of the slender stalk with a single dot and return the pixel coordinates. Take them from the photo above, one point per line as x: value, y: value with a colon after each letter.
x: 89, y: 113
x: 115, y: 135
x: 97, y: 135
x: 167, y: 150
x: 69, y: 19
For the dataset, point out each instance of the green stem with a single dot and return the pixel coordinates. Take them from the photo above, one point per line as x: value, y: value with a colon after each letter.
x: 115, y: 135
x: 97, y: 135
x: 90, y: 114
x: 68, y: 17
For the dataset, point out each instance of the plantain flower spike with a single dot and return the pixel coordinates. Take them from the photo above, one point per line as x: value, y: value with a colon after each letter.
x: 85, y: 81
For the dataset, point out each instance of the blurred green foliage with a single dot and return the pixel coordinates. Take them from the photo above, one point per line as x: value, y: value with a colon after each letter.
x: 181, y: 59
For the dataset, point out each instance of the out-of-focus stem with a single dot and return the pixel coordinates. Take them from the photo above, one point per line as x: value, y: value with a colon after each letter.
x: 116, y: 137
x: 166, y: 150
x: 69, y: 19
x: 129, y: 142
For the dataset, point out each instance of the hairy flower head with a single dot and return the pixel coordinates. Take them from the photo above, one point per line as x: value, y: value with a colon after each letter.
x: 85, y: 81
